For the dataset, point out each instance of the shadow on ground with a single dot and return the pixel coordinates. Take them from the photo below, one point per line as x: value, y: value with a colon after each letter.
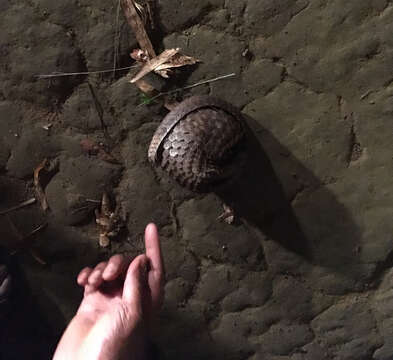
x: 321, y: 231
x: 289, y: 206
x: 25, y: 331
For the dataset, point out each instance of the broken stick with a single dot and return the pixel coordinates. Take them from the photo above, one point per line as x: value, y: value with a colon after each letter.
x: 145, y: 44
x: 137, y: 26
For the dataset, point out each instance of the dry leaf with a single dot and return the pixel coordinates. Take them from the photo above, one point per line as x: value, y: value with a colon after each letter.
x: 162, y: 64
x: 104, y: 240
x: 176, y: 61
x: 136, y: 24
x: 228, y: 215
x: 40, y: 194
x: 105, y: 204
x: 108, y: 221
x: 139, y: 55
x: 152, y: 64
x: 164, y: 73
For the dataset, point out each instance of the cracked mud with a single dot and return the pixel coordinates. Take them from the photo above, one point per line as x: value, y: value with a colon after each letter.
x: 305, y: 273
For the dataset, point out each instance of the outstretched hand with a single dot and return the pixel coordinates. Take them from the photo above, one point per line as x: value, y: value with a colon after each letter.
x: 120, y: 300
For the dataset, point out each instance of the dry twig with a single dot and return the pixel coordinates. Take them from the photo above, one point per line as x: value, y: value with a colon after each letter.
x: 37, y: 257
x: 138, y: 27
x: 145, y: 44
x: 116, y: 43
x: 19, y: 206
x: 24, y: 241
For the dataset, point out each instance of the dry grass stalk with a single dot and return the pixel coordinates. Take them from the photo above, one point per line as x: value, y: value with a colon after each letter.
x: 19, y: 206
x: 203, y: 82
x: 61, y: 74
x: 24, y: 242
x: 116, y: 43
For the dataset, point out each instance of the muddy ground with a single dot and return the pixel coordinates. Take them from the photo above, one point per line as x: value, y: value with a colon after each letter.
x: 305, y: 272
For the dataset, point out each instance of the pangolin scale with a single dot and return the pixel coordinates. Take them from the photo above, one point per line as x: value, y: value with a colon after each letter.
x: 194, y: 143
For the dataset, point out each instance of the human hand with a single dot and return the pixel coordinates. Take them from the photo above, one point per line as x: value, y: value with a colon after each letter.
x: 120, y: 300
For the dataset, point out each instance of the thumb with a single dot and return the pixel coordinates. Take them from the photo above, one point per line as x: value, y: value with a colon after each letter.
x: 135, y: 282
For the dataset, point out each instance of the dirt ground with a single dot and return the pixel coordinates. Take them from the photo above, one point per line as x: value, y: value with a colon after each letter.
x: 306, y: 271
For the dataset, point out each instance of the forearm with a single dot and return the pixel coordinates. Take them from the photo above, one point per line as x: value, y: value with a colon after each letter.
x: 88, y: 340
x: 100, y: 344
x: 73, y: 337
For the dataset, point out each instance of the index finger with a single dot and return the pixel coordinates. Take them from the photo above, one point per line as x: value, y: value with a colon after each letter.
x: 153, y: 249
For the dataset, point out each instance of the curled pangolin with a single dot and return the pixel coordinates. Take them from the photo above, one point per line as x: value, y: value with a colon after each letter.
x: 195, y: 142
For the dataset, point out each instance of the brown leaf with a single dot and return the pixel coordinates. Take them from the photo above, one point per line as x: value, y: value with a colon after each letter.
x: 176, y: 61
x: 164, y: 73
x: 228, y: 216
x: 107, y: 220
x: 152, y: 64
x: 139, y: 55
x: 105, y: 204
x: 137, y: 26
x: 39, y: 191
x: 162, y: 64
x: 104, y: 240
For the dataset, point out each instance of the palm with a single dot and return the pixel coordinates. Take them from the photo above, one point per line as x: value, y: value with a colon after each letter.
x: 106, y: 291
x: 119, y: 300
x: 100, y: 301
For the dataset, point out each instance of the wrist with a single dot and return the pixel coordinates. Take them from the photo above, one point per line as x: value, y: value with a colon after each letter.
x: 73, y: 338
